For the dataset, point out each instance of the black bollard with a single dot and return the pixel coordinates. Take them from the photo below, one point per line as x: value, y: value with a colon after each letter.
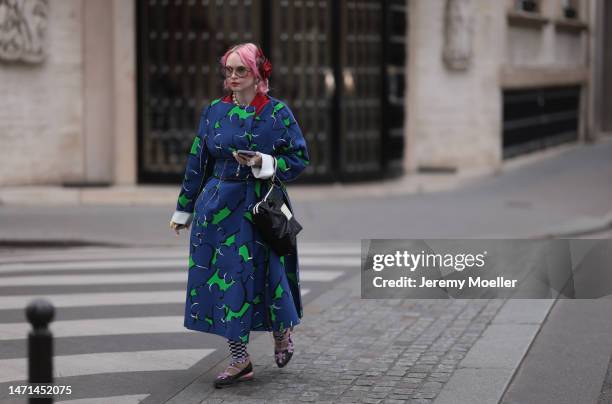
x: 40, y: 346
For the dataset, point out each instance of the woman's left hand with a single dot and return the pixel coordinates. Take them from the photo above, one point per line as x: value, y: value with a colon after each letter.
x: 177, y: 227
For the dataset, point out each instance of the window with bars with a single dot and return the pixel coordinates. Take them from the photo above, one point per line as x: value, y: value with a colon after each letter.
x: 538, y: 118
x: 571, y: 8
x: 530, y: 6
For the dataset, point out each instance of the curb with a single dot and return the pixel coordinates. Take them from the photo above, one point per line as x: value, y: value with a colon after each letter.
x: 583, y: 226
x: 487, y: 370
x: 489, y: 367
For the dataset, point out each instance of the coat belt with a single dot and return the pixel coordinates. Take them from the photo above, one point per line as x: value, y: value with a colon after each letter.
x: 226, y: 169
x: 234, y: 178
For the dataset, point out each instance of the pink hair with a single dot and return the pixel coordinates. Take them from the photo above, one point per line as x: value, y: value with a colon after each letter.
x: 248, y: 54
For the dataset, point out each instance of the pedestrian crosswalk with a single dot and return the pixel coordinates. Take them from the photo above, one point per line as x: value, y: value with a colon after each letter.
x: 63, y: 278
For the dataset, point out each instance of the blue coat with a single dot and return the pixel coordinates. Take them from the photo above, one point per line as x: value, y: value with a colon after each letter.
x: 236, y: 283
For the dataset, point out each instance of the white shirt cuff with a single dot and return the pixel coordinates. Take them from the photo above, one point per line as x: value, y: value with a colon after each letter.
x: 184, y: 218
x: 267, y: 168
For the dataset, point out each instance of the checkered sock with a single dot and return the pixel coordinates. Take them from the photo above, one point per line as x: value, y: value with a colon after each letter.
x: 238, y: 349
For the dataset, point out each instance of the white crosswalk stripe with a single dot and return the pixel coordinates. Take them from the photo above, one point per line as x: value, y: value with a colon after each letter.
x: 58, y: 274
x: 159, y: 263
x: 97, y: 299
x: 313, y: 275
x: 101, y: 299
x: 91, y: 254
x: 129, y: 399
x: 109, y: 362
x: 104, y: 326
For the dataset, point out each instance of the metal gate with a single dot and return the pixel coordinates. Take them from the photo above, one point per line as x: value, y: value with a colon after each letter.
x: 302, y: 56
x: 338, y: 64
x: 360, y: 98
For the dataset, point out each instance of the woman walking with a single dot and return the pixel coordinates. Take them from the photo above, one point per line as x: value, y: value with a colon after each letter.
x: 236, y: 282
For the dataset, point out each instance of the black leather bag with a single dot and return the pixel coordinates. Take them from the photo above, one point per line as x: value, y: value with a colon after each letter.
x: 275, y: 221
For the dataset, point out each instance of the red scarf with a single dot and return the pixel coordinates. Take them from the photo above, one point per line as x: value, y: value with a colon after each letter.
x: 259, y: 101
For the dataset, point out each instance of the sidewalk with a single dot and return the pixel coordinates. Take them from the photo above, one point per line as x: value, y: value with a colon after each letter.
x: 165, y: 195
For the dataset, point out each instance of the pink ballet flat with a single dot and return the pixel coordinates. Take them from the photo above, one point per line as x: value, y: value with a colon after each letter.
x: 283, y: 356
x: 225, y: 378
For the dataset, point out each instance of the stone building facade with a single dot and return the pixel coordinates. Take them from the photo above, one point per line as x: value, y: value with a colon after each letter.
x: 455, y: 117
x: 69, y: 113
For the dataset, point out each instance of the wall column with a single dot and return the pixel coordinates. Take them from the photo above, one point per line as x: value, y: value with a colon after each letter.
x: 109, y: 92
x: 98, y: 114
x: 125, y: 99
x: 605, y: 109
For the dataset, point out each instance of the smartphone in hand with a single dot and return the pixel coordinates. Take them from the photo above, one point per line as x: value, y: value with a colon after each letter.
x: 247, y: 153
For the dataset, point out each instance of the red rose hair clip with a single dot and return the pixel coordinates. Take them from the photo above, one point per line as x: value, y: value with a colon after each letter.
x: 265, y: 66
